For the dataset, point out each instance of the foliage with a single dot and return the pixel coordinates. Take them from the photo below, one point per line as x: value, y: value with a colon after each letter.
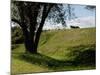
x: 17, y: 35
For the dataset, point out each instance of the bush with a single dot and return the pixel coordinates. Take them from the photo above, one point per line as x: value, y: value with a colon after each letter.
x: 17, y: 35
x: 84, y: 55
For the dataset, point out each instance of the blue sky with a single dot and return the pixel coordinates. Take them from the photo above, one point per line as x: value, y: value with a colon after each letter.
x: 85, y: 18
x: 81, y: 11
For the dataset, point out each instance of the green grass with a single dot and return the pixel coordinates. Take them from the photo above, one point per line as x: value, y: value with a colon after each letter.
x: 59, y: 50
x: 20, y: 66
x: 57, y: 46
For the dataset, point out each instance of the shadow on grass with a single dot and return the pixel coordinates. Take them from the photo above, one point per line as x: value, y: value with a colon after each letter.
x: 82, y: 56
x: 43, y: 60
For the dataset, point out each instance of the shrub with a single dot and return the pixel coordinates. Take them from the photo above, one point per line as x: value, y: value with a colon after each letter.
x: 16, y: 35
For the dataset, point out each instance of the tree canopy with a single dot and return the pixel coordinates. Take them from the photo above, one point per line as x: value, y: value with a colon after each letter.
x: 31, y: 17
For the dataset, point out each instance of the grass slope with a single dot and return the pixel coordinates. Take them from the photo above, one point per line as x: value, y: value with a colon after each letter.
x: 57, y: 44
x: 58, y: 50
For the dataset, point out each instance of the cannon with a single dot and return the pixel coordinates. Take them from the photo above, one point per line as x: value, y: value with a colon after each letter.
x: 74, y: 27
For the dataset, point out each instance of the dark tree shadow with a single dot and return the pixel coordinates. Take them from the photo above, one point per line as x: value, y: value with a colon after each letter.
x: 87, y: 57
x: 46, y: 61
x: 82, y: 57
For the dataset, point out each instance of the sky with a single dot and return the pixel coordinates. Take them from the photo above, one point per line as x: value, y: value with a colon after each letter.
x: 85, y: 18
x: 80, y: 11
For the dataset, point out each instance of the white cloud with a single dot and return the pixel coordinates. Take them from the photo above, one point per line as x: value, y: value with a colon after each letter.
x: 48, y: 25
x: 83, y: 22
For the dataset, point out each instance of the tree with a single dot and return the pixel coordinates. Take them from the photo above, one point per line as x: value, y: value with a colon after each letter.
x: 31, y: 17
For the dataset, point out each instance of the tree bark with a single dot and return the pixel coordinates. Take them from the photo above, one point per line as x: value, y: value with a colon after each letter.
x: 33, y: 25
x: 28, y: 44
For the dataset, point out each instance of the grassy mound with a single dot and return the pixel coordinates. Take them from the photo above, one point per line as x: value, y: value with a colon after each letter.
x: 59, y: 50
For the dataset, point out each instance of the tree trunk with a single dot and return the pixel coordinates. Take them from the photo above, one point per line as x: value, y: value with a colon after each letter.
x: 44, y: 15
x: 38, y: 36
x: 27, y: 17
x: 27, y: 40
x: 33, y: 25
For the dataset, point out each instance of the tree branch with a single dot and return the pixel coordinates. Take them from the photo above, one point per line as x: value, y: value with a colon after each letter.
x: 16, y: 21
x: 44, y: 16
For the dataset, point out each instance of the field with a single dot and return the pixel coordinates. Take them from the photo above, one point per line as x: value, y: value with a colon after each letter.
x: 58, y: 50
